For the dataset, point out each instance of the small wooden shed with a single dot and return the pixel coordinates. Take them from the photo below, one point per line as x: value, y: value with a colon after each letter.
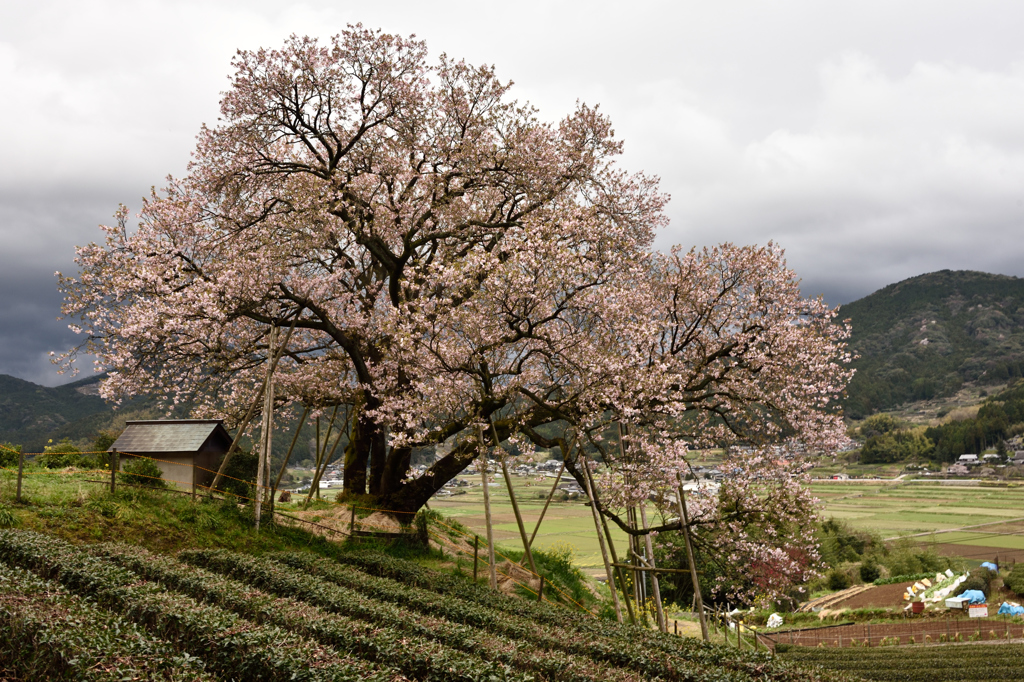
x: 187, y: 451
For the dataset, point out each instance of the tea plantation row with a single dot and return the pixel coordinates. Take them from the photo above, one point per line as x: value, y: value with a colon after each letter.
x: 111, y: 612
x: 944, y: 663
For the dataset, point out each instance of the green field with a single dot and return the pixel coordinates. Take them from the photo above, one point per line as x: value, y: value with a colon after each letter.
x: 887, y: 508
x: 893, y: 509
x: 565, y: 523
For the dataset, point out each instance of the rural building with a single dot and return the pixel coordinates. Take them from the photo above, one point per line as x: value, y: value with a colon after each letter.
x: 968, y: 459
x: 183, y: 448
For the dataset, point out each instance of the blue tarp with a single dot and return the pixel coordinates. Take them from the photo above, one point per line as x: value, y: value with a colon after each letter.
x: 1011, y: 610
x: 972, y: 596
x: 990, y: 566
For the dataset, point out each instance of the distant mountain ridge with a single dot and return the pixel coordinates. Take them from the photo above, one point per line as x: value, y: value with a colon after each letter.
x: 30, y: 414
x: 928, y: 335
x: 917, y: 339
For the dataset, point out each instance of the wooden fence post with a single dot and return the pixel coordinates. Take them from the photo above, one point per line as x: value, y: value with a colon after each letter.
x: 476, y: 554
x: 21, y: 467
x: 540, y: 592
x: 114, y: 463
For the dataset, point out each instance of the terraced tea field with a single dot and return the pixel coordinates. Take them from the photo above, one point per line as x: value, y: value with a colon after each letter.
x: 997, y: 662
x: 112, y: 612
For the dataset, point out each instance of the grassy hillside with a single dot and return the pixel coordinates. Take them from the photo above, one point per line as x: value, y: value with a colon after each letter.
x: 151, y: 585
x: 928, y: 335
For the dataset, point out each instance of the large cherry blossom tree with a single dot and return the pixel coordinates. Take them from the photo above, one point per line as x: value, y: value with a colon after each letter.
x: 445, y: 260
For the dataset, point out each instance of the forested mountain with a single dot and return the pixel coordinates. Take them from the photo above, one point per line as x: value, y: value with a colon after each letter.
x: 928, y: 335
x: 30, y: 414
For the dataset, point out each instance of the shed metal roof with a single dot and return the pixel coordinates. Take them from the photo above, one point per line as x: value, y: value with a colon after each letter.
x: 166, y: 435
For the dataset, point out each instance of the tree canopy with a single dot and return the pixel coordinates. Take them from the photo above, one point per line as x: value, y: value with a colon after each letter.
x: 447, y: 260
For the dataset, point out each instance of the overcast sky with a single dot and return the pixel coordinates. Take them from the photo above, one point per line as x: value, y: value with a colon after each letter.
x: 874, y: 141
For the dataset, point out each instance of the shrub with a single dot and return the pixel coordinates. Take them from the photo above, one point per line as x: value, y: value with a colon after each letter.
x: 9, y: 455
x: 63, y: 454
x: 838, y: 580
x: 1015, y: 580
x: 240, y: 475
x: 142, y: 471
x: 978, y: 579
x: 870, y: 571
x: 7, y: 517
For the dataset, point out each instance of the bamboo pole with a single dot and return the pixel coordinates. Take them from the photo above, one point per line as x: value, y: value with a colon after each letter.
x: 288, y: 456
x: 519, y: 517
x: 600, y: 536
x: 662, y: 625
x: 320, y: 465
x: 268, y: 424
x: 252, y: 408
x: 554, y: 487
x: 615, y: 559
x: 515, y: 505
x: 685, y: 518
x: 630, y: 545
x: 487, y: 510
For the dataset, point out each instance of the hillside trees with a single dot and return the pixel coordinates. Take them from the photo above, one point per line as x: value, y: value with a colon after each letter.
x: 447, y: 261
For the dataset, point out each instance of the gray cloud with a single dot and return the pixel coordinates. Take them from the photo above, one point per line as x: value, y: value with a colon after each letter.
x: 874, y: 140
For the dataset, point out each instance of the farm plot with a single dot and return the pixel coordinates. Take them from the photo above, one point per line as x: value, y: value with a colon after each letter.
x: 892, y: 509
x: 920, y: 664
x: 291, y: 617
x: 917, y: 631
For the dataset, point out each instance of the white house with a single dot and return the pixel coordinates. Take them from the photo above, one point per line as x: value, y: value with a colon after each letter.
x: 968, y: 459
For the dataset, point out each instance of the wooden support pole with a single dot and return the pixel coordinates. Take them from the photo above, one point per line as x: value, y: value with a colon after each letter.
x: 476, y: 555
x: 21, y: 469
x: 551, y: 494
x: 600, y: 536
x: 659, y: 609
x: 265, y: 429
x: 630, y: 548
x: 275, y: 357
x: 611, y: 548
x: 540, y: 591
x: 487, y: 510
x: 648, y: 569
x: 323, y: 460
x: 114, y: 463
x: 519, y: 517
x: 512, y: 498
x: 287, y: 457
x: 685, y: 519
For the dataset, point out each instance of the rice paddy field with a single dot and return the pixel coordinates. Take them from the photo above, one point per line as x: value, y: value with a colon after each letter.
x: 992, y: 516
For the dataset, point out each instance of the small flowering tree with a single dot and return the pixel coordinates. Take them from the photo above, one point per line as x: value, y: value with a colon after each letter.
x: 443, y: 260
